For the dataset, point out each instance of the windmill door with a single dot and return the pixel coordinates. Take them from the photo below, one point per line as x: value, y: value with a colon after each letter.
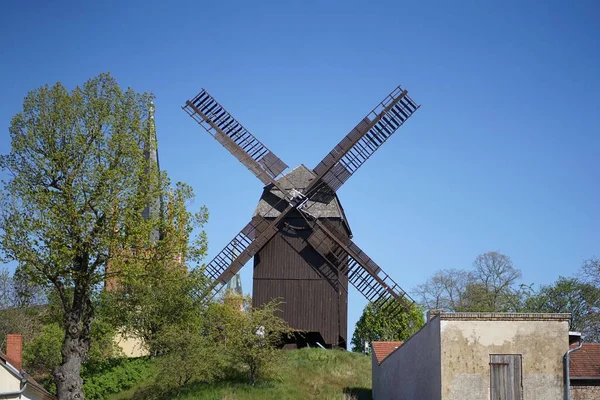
x: 505, y: 377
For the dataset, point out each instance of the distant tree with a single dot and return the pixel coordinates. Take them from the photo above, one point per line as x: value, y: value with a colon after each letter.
x: 78, y: 181
x: 496, y: 278
x: 444, y: 290
x: 570, y: 295
x: 377, y: 324
x: 590, y: 271
x: 18, y: 314
x: 492, y: 286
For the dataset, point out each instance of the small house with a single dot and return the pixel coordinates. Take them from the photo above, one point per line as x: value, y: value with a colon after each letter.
x: 14, y: 382
x: 458, y: 356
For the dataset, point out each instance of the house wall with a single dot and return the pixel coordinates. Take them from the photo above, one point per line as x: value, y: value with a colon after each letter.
x: 8, y: 381
x: 466, y: 346
x: 131, y: 346
x: 585, y: 392
x: 412, y: 372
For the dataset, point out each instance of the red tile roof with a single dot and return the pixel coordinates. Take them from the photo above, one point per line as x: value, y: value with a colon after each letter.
x: 383, y: 349
x: 585, y: 362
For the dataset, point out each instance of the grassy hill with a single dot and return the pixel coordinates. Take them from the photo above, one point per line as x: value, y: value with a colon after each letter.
x: 303, y: 374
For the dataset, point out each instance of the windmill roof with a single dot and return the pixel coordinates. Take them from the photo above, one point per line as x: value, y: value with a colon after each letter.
x: 271, y: 202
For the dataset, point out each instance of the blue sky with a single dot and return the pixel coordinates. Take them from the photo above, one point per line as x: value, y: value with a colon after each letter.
x: 503, y: 154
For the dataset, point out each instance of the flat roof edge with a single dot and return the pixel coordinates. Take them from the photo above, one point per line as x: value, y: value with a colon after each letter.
x: 468, y: 316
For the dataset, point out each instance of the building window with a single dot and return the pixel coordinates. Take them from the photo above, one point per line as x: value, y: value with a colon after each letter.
x: 506, y: 377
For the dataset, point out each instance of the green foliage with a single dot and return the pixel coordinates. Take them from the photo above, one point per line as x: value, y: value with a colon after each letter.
x: 252, y: 336
x: 19, y: 309
x: 302, y: 374
x: 116, y: 376
x: 570, y: 295
x: 377, y: 324
x: 154, y: 291
x: 188, y: 356
x: 42, y: 355
x: 79, y: 179
x: 230, y: 339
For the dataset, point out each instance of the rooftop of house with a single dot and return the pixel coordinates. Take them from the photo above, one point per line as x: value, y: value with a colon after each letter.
x: 32, y: 384
x: 384, y: 349
x: 585, y: 362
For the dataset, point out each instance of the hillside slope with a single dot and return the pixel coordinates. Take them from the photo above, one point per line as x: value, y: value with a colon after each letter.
x: 303, y: 374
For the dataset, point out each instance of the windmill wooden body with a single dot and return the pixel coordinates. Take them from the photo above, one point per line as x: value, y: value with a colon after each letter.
x: 299, y: 236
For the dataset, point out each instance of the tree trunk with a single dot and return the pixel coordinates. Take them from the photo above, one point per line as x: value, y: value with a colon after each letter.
x: 69, y: 384
x: 77, y: 324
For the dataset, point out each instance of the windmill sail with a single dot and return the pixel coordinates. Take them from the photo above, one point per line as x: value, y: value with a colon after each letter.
x: 263, y: 163
x: 363, y: 273
x: 360, y: 144
x: 332, y: 172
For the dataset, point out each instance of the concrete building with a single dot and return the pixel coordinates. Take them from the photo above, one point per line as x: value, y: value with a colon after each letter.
x: 458, y: 356
x: 14, y: 382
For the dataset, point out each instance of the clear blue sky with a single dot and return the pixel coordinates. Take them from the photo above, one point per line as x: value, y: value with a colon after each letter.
x: 503, y: 154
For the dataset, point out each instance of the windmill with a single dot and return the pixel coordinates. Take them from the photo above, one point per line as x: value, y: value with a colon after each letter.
x: 299, y: 236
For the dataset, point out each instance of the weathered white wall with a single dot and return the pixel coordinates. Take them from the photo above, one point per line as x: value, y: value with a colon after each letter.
x: 411, y: 372
x: 467, y: 344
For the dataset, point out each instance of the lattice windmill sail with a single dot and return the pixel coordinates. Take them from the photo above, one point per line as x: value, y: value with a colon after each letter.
x: 299, y: 236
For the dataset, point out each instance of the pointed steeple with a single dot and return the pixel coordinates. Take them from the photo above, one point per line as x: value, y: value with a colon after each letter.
x: 155, y: 207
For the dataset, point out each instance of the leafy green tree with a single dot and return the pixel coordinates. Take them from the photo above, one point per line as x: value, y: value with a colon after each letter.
x: 570, y: 295
x: 198, y: 356
x: 251, y: 336
x: 377, y: 324
x: 144, y: 301
x: 79, y: 179
x: 42, y: 355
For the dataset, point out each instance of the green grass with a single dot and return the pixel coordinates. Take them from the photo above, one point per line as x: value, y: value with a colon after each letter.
x: 302, y: 374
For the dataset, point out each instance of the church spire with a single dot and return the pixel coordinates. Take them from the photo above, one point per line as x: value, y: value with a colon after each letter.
x: 155, y: 207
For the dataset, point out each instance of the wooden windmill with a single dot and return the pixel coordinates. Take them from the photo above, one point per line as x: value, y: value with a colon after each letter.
x: 299, y: 236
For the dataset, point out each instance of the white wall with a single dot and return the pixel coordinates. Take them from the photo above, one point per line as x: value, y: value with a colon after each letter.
x: 8, y: 381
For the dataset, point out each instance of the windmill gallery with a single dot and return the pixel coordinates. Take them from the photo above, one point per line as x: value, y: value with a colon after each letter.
x: 299, y: 236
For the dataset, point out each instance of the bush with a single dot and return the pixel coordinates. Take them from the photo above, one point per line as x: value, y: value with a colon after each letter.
x: 42, y: 355
x: 116, y: 376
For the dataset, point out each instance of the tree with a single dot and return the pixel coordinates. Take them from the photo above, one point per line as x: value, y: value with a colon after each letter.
x: 250, y: 336
x: 19, y: 311
x: 376, y: 323
x: 492, y: 286
x: 444, y: 290
x: 496, y: 277
x: 590, y: 271
x: 570, y: 295
x: 79, y: 180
